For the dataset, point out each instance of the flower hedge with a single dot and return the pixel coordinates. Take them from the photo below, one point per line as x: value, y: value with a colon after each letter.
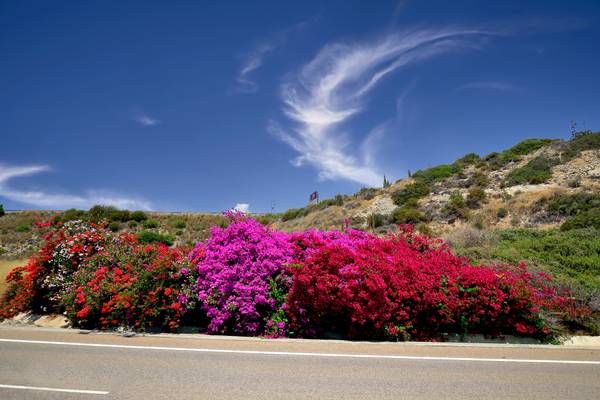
x: 249, y: 279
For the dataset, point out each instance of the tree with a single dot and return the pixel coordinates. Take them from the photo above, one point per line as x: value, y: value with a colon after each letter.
x: 386, y: 183
x: 1, y: 210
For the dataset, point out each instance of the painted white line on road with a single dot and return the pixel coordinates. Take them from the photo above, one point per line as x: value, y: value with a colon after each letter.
x: 302, y: 354
x: 47, y: 389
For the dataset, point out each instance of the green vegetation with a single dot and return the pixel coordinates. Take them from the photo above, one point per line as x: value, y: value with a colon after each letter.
x: 114, y: 226
x: 581, y: 141
x: 100, y: 213
x: 154, y: 237
x: 456, y: 207
x: 22, y: 228
x: 536, y: 171
x: 468, y: 159
x: 407, y: 215
x: 584, y: 219
x: 150, y: 224
x: 411, y: 192
x: 479, y: 179
x: 179, y: 224
x: 476, y: 197
x: 438, y: 173
x: 376, y: 220
x: 2, y: 210
x: 573, y: 257
x: 502, y: 213
x: 528, y: 146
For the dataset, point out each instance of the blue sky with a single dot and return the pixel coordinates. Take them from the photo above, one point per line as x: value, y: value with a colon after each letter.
x: 197, y: 106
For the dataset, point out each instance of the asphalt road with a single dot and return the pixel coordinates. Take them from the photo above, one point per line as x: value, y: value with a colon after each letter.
x: 47, y: 364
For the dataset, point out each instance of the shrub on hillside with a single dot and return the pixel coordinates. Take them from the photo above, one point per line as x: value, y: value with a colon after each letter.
x: 584, y: 219
x: 468, y: 159
x: 502, y: 213
x: 407, y: 215
x: 456, y: 207
x: 536, y: 171
x: 478, y: 179
x: 411, y: 192
x: 150, y: 224
x: 138, y: 216
x: 581, y: 141
x: 293, y: 213
x: 436, y: 174
x: 476, y: 197
x: 2, y: 210
x: 155, y: 237
x: 179, y: 224
x: 527, y: 146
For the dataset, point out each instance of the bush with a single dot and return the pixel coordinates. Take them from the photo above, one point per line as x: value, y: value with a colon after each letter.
x: 569, y: 205
x: 154, y: 237
x: 502, y: 213
x: 528, y: 146
x: 584, y: 219
x: 22, y: 228
x: 456, y: 207
x: 293, y: 213
x: 2, y: 210
x: 536, y: 171
x: 114, y: 226
x: 150, y: 224
x: 479, y: 179
x: 367, y: 193
x: 404, y: 215
x: 376, y: 220
x: 437, y: 174
x: 179, y: 224
x: 411, y: 287
x: 138, y: 216
x: 468, y: 159
x: 73, y: 214
x: 241, y: 278
x: 476, y: 197
x: 581, y: 141
x: 411, y: 192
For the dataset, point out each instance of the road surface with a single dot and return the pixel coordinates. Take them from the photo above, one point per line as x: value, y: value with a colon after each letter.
x: 62, y: 364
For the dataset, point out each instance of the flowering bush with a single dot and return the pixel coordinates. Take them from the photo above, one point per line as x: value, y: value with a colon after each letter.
x: 128, y: 285
x: 249, y: 279
x: 412, y: 287
x: 241, y: 277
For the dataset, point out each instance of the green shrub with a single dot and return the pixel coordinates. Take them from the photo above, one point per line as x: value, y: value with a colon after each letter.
x: 475, y: 197
x: 581, y: 141
x: 479, y: 179
x: 22, y: 228
x: 293, y: 213
x: 2, y: 210
x: 468, y: 159
x: 268, y: 218
x: 367, y: 193
x: 376, y: 220
x: 568, y: 205
x: 73, y: 214
x: 114, y: 226
x: 179, y: 224
x: 150, y: 224
x: 536, y: 171
x: 411, y: 192
x: 527, y: 146
x: 405, y: 215
x: 138, y: 216
x: 132, y: 224
x: 456, y: 207
x: 502, y: 213
x: 98, y: 213
x: 436, y: 174
x: 584, y: 219
x: 154, y: 237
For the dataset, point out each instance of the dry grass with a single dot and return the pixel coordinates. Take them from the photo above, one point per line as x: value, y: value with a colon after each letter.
x: 5, y: 267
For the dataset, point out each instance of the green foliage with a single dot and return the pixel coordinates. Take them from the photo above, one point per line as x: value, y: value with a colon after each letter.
x: 479, y: 179
x: 407, y: 215
x: 468, y: 159
x: 138, y: 216
x: 456, y: 207
x: 2, y: 210
x: 73, y: 214
x: 411, y: 192
x: 150, y: 224
x: 376, y: 220
x: 22, y: 228
x: 581, y: 141
x: 154, y: 237
x: 585, y: 219
x: 366, y: 193
x: 179, y: 224
x: 536, y: 171
x: 293, y: 213
x: 98, y: 213
x: 114, y: 226
x: 568, y: 205
x: 502, y: 213
x: 268, y: 218
x: 437, y: 174
x: 386, y: 183
x: 573, y: 256
x: 475, y: 197
x: 499, y: 160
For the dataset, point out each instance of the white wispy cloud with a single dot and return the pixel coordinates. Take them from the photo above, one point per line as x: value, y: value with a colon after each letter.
x: 491, y: 85
x: 145, y: 119
x: 242, y: 207
x: 252, y: 62
x: 254, y: 59
x: 59, y: 200
x: 331, y: 89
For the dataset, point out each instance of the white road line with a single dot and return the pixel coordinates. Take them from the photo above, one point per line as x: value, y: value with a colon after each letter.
x: 47, y: 389
x: 303, y: 354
